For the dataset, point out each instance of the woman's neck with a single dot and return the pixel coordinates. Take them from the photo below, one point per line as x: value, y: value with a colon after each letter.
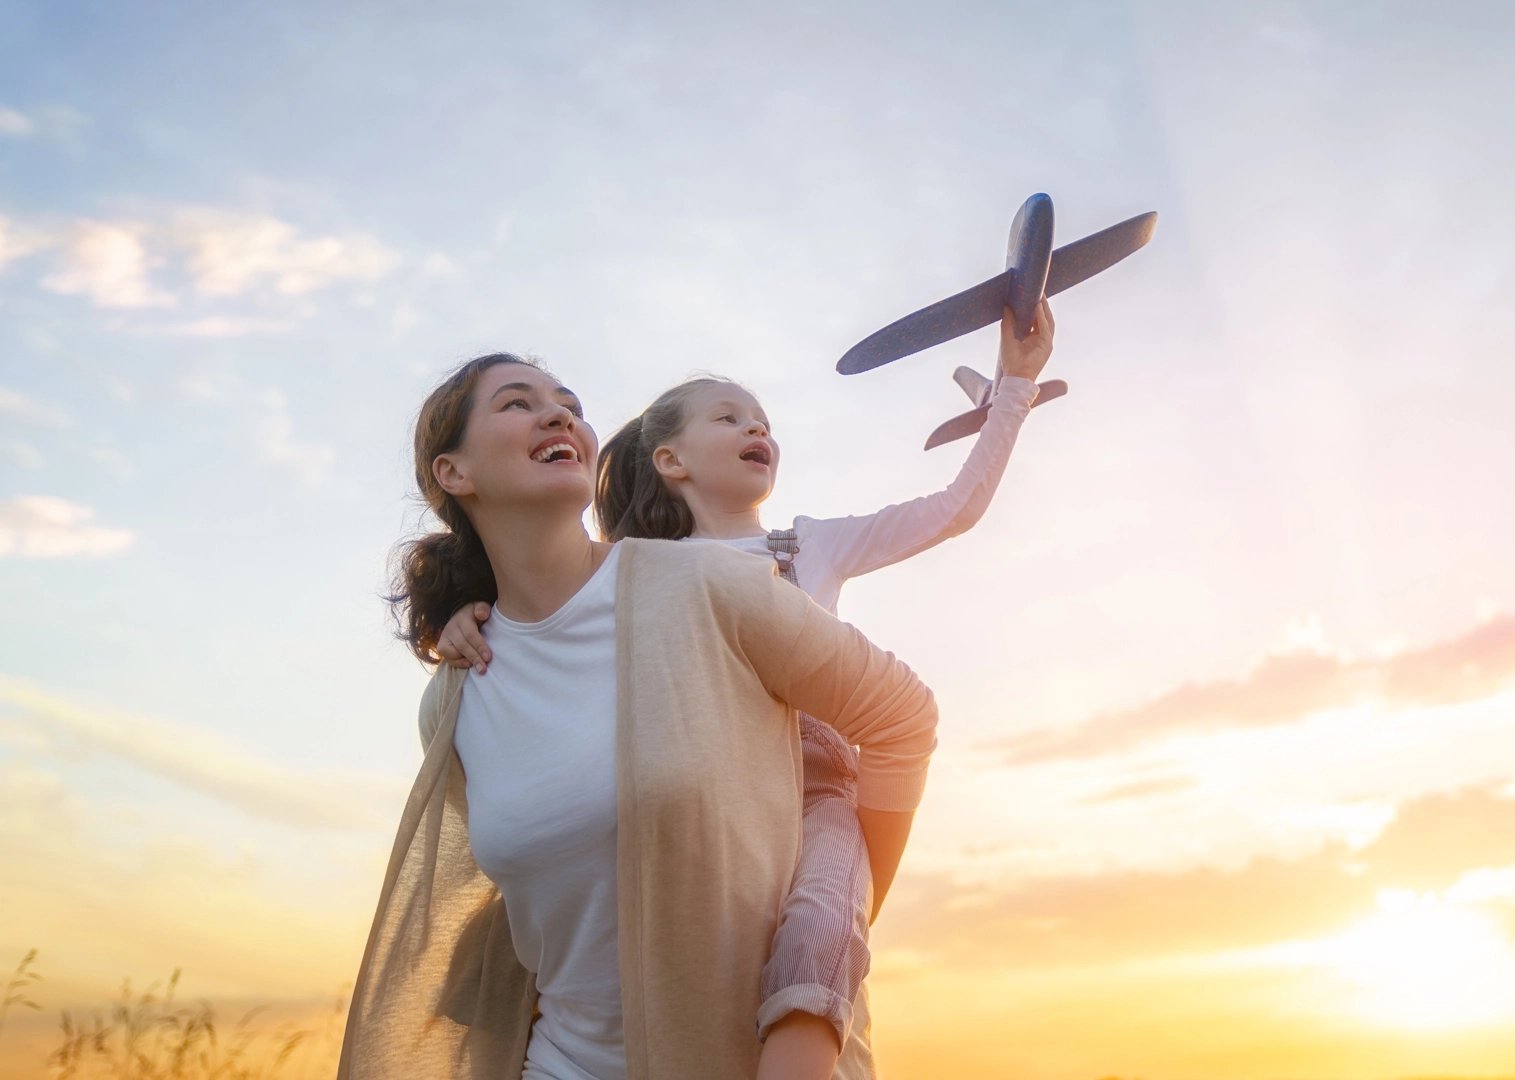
x: 539, y: 562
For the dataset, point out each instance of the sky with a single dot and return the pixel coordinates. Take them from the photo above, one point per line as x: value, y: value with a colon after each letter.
x: 1226, y: 783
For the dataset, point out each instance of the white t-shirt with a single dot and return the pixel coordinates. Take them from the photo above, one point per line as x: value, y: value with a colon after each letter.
x: 536, y: 735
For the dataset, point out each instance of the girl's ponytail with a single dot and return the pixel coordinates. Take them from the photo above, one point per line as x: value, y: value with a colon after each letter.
x: 630, y: 497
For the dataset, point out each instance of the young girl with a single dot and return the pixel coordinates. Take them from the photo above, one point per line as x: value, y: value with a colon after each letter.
x: 589, y: 870
x: 698, y: 464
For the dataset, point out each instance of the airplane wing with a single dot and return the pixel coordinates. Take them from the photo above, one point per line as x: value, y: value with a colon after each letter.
x: 1099, y: 251
x: 942, y: 321
x: 960, y: 427
x: 974, y: 385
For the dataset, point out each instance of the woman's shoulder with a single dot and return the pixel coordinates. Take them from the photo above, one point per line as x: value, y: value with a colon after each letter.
x: 674, y: 566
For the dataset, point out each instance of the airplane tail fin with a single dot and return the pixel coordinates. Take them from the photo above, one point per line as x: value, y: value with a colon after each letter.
x: 974, y: 385
x: 961, y: 426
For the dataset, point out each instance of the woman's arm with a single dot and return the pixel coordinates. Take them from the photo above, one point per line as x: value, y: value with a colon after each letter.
x: 822, y: 666
x: 852, y: 546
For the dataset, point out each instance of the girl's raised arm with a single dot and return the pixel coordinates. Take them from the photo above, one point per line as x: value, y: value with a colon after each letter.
x: 847, y: 547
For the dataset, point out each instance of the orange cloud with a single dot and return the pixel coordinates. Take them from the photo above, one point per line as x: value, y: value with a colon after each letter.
x: 1286, y: 688
x: 1101, y: 918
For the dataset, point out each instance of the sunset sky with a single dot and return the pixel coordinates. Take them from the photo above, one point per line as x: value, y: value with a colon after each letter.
x: 1226, y: 785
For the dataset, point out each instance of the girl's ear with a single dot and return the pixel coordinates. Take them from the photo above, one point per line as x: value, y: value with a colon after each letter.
x: 668, y: 465
x: 450, y: 476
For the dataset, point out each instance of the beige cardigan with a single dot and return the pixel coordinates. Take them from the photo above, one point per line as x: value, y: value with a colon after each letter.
x: 714, y: 655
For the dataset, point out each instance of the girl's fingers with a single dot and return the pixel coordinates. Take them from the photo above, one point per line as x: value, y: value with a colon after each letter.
x: 474, y: 647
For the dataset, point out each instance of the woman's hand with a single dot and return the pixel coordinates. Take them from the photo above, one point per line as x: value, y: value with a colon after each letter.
x: 461, y: 645
x: 1025, y: 359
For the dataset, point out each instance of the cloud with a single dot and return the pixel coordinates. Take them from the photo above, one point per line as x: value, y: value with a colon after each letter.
x: 1140, y: 789
x: 1289, y: 687
x: 58, y: 122
x: 14, y: 123
x: 1432, y: 844
x: 213, y: 326
x: 229, y: 255
x: 267, y: 425
x: 47, y: 527
x: 276, y: 441
x: 134, y: 264
x: 109, y: 263
x: 18, y: 406
x: 16, y: 241
x: 202, y: 763
x: 22, y: 454
x: 113, y: 461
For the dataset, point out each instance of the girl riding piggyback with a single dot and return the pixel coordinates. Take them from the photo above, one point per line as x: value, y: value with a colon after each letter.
x: 696, y: 466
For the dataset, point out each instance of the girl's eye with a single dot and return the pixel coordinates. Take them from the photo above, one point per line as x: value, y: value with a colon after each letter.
x: 727, y: 416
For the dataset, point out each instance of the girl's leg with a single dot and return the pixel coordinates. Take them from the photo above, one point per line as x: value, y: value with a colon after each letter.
x: 820, y: 950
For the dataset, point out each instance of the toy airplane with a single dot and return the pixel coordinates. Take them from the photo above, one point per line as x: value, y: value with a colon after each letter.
x: 979, y: 390
x: 1032, y: 270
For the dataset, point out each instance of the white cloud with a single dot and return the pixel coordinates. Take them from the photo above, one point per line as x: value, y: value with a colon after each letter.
x: 16, y: 241
x: 114, y: 462
x: 201, y: 762
x: 230, y: 255
x: 267, y: 424
x: 277, y: 442
x: 15, y: 123
x: 109, y: 263
x: 22, y: 454
x: 58, y: 122
x: 47, y: 527
x: 214, y: 326
x: 437, y: 265
x: 18, y: 406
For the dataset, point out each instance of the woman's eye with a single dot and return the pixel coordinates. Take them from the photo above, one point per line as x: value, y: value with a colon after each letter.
x: 517, y: 401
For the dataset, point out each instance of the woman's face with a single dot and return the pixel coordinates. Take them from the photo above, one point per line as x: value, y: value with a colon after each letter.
x: 726, y: 447
x: 526, y: 442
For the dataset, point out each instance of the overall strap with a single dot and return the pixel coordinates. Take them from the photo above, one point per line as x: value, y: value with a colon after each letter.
x: 785, y: 544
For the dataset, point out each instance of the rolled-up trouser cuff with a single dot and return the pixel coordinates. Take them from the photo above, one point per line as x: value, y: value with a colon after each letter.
x: 810, y: 998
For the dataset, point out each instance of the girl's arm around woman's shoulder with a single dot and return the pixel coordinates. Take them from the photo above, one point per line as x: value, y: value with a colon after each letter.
x: 820, y: 665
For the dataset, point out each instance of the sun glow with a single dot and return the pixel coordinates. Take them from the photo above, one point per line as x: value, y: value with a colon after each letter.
x: 1421, y: 962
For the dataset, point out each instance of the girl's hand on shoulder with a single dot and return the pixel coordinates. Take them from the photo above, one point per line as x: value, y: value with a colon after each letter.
x: 461, y: 645
x: 1025, y: 359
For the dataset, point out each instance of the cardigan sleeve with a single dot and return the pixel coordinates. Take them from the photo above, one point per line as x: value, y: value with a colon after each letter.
x: 818, y: 664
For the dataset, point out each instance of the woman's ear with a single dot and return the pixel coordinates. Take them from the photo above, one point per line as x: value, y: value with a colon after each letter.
x: 668, y: 465
x: 449, y: 474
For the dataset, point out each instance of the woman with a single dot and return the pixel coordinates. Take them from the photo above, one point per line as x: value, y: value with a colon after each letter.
x: 624, y: 781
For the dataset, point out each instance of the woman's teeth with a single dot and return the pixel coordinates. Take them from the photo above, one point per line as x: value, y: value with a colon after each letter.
x: 556, y: 452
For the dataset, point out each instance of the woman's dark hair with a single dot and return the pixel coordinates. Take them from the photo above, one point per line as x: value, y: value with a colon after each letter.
x: 441, y: 571
x: 630, y: 497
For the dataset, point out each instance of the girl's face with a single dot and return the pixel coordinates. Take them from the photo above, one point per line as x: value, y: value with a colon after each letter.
x: 725, y: 449
x: 526, y: 442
